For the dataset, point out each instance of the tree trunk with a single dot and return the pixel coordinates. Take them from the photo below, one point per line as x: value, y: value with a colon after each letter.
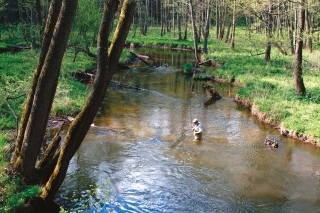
x: 217, y: 19
x: 227, y: 38
x: 290, y: 30
x: 39, y: 17
x: 107, y: 63
x: 179, y: 23
x: 308, y: 33
x: 206, y: 30
x: 194, y: 31
x: 186, y: 27
x: 53, y: 15
x: 233, y: 32
x: 222, y: 17
x: 298, y: 79
x: 162, y: 20
x: 267, y: 55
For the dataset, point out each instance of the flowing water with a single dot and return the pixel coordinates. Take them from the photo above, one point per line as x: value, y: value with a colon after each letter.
x: 140, y: 155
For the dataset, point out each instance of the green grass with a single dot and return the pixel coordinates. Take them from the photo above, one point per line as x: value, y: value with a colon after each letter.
x: 12, y: 191
x: 153, y: 38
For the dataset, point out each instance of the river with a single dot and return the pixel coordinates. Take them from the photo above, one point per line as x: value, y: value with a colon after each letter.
x: 140, y: 155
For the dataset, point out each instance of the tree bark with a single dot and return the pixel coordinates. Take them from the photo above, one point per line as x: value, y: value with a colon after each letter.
x: 53, y: 15
x: 38, y: 10
x: 107, y: 63
x: 194, y: 31
x: 206, y: 29
x: 290, y: 29
x: 45, y: 91
x: 308, y: 33
x: 25, y: 140
x: 298, y: 79
x: 267, y: 55
x: 233, y: 32
x: 217, y: 19
x: 179, y: 23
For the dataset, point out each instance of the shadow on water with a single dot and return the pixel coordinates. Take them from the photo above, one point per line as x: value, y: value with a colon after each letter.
x: 143, y: 144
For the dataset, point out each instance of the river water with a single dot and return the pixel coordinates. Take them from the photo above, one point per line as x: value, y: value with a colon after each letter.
x: 140, y: 155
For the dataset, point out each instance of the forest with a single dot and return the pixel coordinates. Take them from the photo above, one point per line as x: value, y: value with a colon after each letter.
x: 268, y: 47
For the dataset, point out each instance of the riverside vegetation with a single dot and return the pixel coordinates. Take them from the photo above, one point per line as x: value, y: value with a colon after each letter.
x: 268, y: 90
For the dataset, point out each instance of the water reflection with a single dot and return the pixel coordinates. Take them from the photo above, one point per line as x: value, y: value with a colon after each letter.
x: 143, y: 143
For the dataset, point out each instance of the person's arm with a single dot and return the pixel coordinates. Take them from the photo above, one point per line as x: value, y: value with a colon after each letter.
x: 199, y: 129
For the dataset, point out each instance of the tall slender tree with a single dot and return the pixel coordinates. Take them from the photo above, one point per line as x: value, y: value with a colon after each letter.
x: 267, y: 54
x: 298, y: 79
x: 207, y: 27
x: 233, y: 31
x: 194, y: 32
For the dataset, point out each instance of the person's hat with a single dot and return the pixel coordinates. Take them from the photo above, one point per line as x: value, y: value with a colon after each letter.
x: 195, y: 120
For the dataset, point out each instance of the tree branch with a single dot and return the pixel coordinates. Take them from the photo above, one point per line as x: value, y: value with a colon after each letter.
x: 11, y: 109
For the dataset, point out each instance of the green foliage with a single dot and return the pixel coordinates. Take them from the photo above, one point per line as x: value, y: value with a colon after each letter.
x: 187, y: 68
x: 86, y: 26
x: 202, y: 76
x: 15, y: 82
x: 153, y: 39
x: 125, y: 55
x: 70, y: 98
x: 16, y: 201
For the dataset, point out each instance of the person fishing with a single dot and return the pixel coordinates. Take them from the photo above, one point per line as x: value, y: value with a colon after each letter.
x: 197, y: 129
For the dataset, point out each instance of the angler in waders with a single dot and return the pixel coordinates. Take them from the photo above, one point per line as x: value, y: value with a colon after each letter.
x: 197, y: 130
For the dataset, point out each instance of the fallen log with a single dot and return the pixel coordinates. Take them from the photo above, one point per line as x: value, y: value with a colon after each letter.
x: 213, y: 92
x: 207, y: 63
x: 84, y: 77
x: 140, y: 58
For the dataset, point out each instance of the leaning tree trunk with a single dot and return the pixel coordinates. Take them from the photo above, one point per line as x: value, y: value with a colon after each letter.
x: 44, y: 90
x: 54, y: 9
x: 298, y: 79
x: 107, y: 64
